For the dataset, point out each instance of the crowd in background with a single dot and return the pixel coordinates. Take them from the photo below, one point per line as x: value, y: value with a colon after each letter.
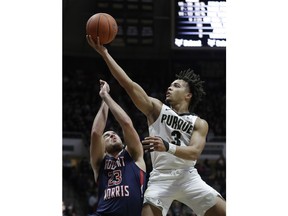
x: 80, y: 104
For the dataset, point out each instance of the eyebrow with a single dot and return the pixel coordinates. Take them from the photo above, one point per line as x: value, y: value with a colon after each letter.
x: 106, y: 134
x: 176, y: 84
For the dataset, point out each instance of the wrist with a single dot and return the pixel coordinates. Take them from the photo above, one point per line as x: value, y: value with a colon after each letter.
x: 170, y: 148
x: 104, y: 95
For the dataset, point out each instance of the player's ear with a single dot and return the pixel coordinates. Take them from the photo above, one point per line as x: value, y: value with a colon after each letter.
x: 189, y: 96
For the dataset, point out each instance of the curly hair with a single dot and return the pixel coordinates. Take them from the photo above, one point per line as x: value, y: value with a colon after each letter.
x: 195, y: 85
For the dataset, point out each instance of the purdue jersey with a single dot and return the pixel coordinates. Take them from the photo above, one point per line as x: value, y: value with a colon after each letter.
x: 175, y: 129
x: 121, y: 186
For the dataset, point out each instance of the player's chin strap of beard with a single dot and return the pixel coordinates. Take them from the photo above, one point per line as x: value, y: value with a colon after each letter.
x: 170, y: 148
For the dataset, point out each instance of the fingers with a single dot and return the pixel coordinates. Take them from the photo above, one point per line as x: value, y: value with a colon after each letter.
x: 148, y: 147
x: 104, y: 86
x: 153, y: 144
x: 152, y: 138
x: 91, y: 42
x: 102, y: 83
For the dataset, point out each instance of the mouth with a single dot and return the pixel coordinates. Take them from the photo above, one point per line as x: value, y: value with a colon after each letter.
x: 113, y: 139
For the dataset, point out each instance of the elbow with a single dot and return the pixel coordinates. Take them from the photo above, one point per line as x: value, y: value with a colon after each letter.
x: 128, y: 85
x: 196, y: 154
x: 96, y: 133
x: 193, y: 157
x: 127, y: 123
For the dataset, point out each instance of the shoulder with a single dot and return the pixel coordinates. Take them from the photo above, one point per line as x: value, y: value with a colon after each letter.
x: 156, y: 102
x: 155, y: 112
x: 201, y: 124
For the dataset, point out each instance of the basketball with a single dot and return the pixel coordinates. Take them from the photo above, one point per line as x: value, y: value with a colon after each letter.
x: 102, y: 25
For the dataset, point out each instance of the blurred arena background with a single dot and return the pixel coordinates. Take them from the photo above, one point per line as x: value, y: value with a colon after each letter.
x: 145, y: 47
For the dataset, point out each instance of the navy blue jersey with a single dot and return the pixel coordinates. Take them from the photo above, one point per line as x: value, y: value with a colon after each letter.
x: 121, y: 186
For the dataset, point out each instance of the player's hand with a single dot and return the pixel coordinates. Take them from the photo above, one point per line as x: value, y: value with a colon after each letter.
x: 97, y: 46
x: 153, y: 143
x: 104, y: 88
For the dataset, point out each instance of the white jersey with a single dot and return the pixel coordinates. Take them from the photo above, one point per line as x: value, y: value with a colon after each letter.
x: 176, y: 129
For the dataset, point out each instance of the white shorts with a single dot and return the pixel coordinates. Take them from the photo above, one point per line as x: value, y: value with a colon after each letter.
x: 185, y: 186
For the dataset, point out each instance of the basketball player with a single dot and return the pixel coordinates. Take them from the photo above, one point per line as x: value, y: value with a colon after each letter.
x: 176, y: 139
x: 119, y: 171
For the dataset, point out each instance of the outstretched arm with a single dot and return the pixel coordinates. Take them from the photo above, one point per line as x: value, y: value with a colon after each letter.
x: 134, y: 146
x: 139, y: 97
x: 97, y: 146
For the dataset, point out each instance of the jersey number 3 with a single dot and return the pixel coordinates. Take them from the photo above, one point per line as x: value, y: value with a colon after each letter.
x: 176, y: 138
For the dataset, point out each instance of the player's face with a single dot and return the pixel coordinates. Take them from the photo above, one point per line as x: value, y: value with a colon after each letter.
x: 112, y: 141
x: 177, y: 92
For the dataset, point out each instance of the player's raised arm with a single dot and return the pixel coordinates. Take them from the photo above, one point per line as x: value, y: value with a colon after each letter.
x: 97, y: 147
x: 139, y: 97
x: 132, y: 140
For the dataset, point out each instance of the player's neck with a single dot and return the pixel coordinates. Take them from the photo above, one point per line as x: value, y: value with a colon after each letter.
x: 115, y: 154
x: 180, y: 108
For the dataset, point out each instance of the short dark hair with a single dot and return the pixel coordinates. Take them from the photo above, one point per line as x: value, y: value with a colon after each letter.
x: 195, y: 85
